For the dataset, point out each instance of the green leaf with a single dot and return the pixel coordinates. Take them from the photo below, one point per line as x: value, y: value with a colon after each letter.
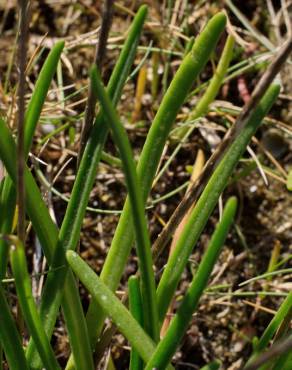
x: 214, y: 365
x: 70, y: 230
x: 271, y: 329
x: 27, y: 304
x: 9, y: 337
x: 40, y: 92
x: 289, y: 181
x: 136, y: 310
x: 47, y: 233
x: 178, y: 326
x: 148, y: 287
x: 32, y: 114
x: 202, y: 106
x: 124, y: 321
x: 172, y: 101
x: 207, y: 202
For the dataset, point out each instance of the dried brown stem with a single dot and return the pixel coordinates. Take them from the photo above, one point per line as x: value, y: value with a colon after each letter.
x: 22, y: 56
x: 197, y: 188
x: 107, y: 15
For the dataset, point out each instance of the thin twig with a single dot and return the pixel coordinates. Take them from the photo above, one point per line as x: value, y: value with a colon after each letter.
x: 107, y: 15
x: 22, y: 56
x: 216, y: 157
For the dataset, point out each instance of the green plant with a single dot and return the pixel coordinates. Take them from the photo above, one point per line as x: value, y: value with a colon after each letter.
x: 151, y: 153
x: 148, y: 304
x: 27, y: 304
x: 136, y: 309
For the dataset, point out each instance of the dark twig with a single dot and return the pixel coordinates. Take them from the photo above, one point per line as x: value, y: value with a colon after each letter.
x: 197, y: 188
x: 275, y: 350
x: 22, y: 56
x: 107, y: 15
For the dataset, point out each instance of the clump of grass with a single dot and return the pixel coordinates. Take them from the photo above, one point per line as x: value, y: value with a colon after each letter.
x: 148, y: 304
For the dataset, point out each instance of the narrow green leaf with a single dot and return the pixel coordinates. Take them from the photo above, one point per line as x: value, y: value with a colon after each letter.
x: 27, y: 304
x: 40, y: 92
x: 215, y: 365
x: 266, y: 360
x: 189, y: 45
x: 9, y: 337
x: 148, y: 287
x: 76, y: 324
x: 8, y: 201
x: 45, y: 228
x: 266, y: 275
x: 47, y: 233
x: 136, y: 310
x: 271, y: 329
x: 32, y: 115
x: 178, y: 326
x: 289, y: 181
x: 206, y: 203
x: 216, y: 81
x: 122, y: 318
x: 213, y: 88
x: 176, y: 94
x: 284, y: 362
x: 42, y: 222
x: 70, y: 230
x: 180, y: 134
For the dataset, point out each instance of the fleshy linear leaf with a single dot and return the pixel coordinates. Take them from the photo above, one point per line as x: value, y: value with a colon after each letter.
x: 207, y: 202
x: 28, y: 305
x: 112, y: 306
x: 178, y: 326
x: 9, y: 337
x: 71, y: 225
x: 136, y: 310
x: 148, y: 287
x: 8, y: 196
x: 175, y: 96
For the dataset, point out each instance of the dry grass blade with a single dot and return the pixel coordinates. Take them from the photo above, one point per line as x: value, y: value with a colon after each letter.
x: 22, y: 56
